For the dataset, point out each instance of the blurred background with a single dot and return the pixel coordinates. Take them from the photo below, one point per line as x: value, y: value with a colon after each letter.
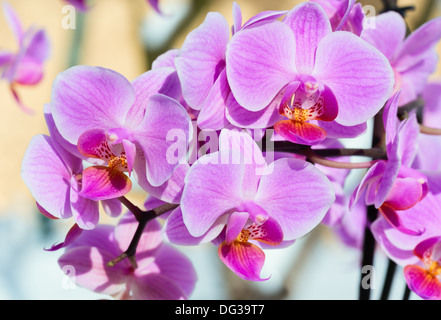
x: 126, y: 36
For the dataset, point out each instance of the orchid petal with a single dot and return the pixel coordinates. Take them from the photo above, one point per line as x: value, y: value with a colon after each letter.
x: 175, y: 266
x: 155, y: 5
x: 405, y: 193
x: 236, y: 222
x: 243, y: 258
x: 47, y: 177
x: 300, y: 209
x: 93, y: 143
x: 241, y: 117
x: 171, y: 190
x: 422, y: 282
x: 310, y: 25
x: 260, y: 62
x: 79, y: 4
x: 102, y: 183
x: 91, y: 270
x: 112, y: 207
x: 388, y: 34
x: 394, y: 219
x: 212, y: 115
x: 373, y: 175
x: 300, y: 132
x: 38, y: 48
x: 417, y: 44
x: 13, y: 21
x: 161, y: 80
x: 264, y: 16
x: 270, y: 232
x: 130, y: 153
x: 164, y: 118
x: 177, y: 232
x: 101, y: 96
x: 424, y: 249
x: 361, y: 89
x: 166, y: 59
x: 222, y: 189
x: 201, y: 58
x: 71, y: 235
x: 84, y: 211
x: 237, y: 18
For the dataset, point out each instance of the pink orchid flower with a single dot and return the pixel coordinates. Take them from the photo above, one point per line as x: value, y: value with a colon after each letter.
x: 426, y: 280
x: 392, y: 185
x: 25, y: 67
x: 55, y: 179
x: 240, y: 208
x: 127, y: 127
x: 413, y: 58
x: 309, y: 74
x: 162, y: 273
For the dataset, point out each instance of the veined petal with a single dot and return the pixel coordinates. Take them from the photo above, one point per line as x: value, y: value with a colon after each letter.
x: 244, y: 118
x: 260, y: 62
x: 164, y: 132
x: 422, y: 282
x: 102, y: 183
x: 201, y: 58
x: 359, y: 76
x: 418, y: 44
x: 243, y: 258
x: 161, y: 80
x: 171, y: 190
x: 84, y: 211
x: 47, y: 176
x: 389, y: 32
x: 310, y: 25
x: 300, y: 132
x: 102, y: 96
x: 176, y: 231
x: 212, y: 115
x: 221, y: 187
x: 309, y: 195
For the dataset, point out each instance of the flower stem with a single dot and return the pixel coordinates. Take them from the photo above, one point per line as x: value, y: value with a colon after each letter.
x: 143, y: 217
x: 407, y: 293
x: 368, y: 252
x: 315, y: 158
x: 137, y: 212
x: 391, y: 267
x: 430, y: 131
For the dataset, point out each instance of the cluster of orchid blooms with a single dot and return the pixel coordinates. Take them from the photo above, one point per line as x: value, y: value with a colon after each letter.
x: 299, y: 80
